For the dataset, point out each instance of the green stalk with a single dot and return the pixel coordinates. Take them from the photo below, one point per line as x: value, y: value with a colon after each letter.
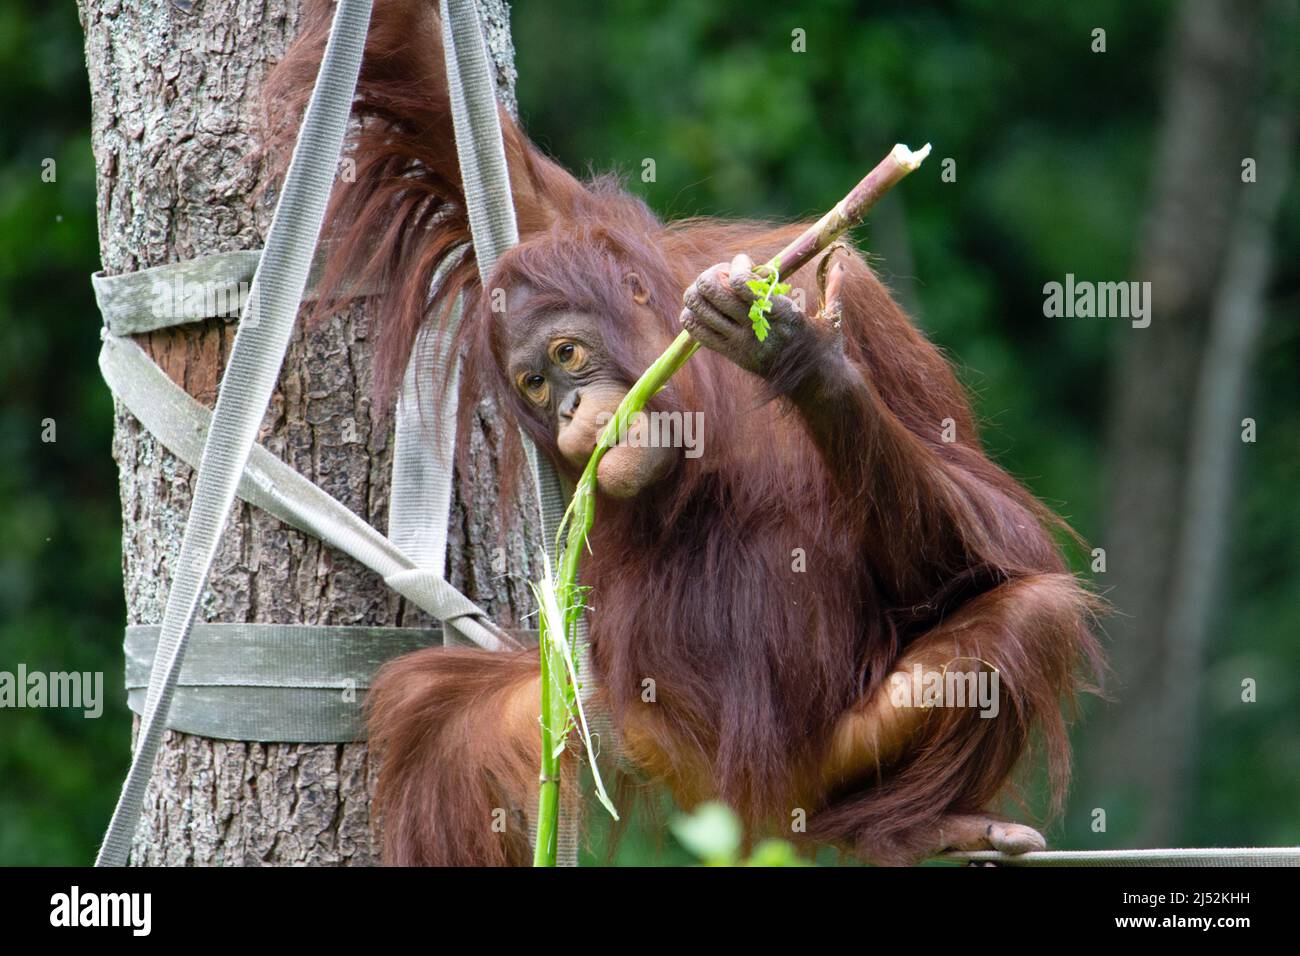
x: 548, y: 801
x: 561, y: 600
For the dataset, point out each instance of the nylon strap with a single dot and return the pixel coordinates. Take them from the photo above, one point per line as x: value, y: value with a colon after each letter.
x: 485, y: 179
x: 272, y: 682
x: 246, y: 387
x: 180, y: 423
x: 480, y: 147
x: 215, y: 286
x: 419, y: 504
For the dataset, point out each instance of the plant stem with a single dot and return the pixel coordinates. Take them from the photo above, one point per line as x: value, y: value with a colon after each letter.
x: 548, y: 814
x: 852, y: 209
x: 548, y: 800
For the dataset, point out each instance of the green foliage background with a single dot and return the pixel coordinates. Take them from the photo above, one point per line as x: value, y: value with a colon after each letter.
x: 1052, y: 145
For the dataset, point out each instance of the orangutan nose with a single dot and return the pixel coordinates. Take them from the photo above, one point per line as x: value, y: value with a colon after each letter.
x: 570, y: 404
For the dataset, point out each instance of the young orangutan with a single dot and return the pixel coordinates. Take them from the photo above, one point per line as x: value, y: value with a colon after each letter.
x: 826, y: 538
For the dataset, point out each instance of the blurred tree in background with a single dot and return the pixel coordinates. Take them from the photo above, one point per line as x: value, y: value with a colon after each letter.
x: 61, y: 605
x: 1053, y: 148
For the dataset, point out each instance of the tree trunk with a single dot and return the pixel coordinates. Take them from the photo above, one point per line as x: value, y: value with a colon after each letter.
x: 175, y: 91
x: 1175, y: 420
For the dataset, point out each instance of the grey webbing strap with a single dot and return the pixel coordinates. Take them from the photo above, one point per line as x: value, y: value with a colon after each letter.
x: 246, y: 387
x: 208, y: 287
x: 419, y: 502
x: 272, y: 682
x: 486, y: 183
x: 480, y: 147
x: 180, y: 423
x: 485, y: 179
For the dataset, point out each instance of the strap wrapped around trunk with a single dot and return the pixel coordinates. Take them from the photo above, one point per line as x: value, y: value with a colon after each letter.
x: 272, y: 682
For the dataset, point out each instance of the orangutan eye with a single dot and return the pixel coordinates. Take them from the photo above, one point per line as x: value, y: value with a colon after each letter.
x: 534, y: 386
x: 570, y: 356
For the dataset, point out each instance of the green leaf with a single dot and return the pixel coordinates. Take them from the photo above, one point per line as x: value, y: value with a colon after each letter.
x: 758, y: 319
x: 712, y: 833
x: 775, y: 853
x: 764, y: 287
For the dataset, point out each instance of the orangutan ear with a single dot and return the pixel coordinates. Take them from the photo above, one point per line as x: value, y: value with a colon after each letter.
x: 640, y: 294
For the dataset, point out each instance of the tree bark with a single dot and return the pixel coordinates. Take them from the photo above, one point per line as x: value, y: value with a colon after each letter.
x: 1172, y: 438
x: 175, y: 91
